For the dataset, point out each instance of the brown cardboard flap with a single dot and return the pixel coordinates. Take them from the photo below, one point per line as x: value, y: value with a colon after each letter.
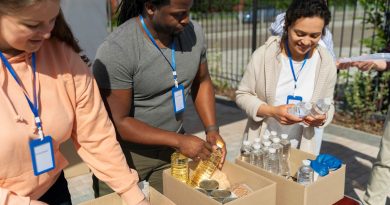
x: 156, y: 198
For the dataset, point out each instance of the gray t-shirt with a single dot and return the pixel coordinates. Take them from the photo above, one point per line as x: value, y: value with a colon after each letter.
x: 128, y: 59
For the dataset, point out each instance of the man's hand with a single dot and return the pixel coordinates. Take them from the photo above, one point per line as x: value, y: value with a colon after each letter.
x: 213, y: 137
x: 194, y: 147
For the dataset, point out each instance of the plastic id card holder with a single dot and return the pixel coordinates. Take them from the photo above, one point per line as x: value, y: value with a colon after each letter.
x: 42, y: 155
x: 293, y: 99
x: 179, y: 103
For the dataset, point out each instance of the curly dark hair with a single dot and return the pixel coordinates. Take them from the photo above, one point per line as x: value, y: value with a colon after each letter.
x: 306, y: 8
x: 131, y: 8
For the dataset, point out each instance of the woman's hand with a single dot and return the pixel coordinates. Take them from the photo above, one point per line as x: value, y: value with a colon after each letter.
x: 314, y: 121
x: 280, y: 113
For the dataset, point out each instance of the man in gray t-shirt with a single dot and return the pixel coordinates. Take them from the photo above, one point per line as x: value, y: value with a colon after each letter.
x: 135, y: 74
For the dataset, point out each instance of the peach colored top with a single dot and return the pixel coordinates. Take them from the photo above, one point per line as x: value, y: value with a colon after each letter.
x: 70, y: 107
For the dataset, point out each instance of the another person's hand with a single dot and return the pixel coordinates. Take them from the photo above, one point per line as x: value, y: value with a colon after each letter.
x: 194, y: 147
x: 212, y: 137
x: 343, y: 66
x: 378, y: 65
x: 283, y: 117
x: 314, y: 121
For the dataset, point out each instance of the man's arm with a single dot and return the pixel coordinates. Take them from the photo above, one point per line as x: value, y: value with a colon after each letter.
x: 202, y: 92
x: 119, y: 102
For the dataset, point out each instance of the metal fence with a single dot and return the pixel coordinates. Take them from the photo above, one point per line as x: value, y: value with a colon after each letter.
x: 233, y: 32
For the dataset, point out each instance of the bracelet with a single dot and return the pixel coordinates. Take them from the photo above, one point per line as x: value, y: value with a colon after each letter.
x: 211, y: 128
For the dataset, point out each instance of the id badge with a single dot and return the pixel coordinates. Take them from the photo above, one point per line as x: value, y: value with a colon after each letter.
x: 178, y: 99
x: 42, y: 155
x: 293, y: 99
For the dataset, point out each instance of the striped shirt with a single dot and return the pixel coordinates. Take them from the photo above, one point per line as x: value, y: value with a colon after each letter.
x: 276, y: 29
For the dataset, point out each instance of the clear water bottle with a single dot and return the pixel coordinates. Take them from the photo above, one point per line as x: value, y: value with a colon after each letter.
x: 284, y: 167
x: 245, y: 151
x: 277, y: 146
x: 256, y: 141
x: 257, y: 156
x: 266, y: 137
x: 321, y: 106
x: 286, y: 145
x: 266, y: 146
x: 274, y: 134
x: 305, y: 173
x: 273, y: 161
x: 301, y: 109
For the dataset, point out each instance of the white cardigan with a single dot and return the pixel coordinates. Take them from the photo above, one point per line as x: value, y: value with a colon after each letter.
x: 258, y: 87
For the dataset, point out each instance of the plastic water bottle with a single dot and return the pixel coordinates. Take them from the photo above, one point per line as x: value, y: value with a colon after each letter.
x: 179, y: 166
x: 245, y: 151
x: 286, y: 145
x: 206, y: 168
x: 266, y: 137
x: 305, y: 173
x: 321, y: 106
x: 277, y: 146
x: 301, y: 109
x: 273, y: 161
x: 284, y: 166
x: 256, y: 141
x: 274, y: 134
x: 266, y: 146
x: 257, y: 156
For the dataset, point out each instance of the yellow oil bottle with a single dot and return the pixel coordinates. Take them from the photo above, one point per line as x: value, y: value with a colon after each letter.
x: 206, y: 168
x: 179, y: 166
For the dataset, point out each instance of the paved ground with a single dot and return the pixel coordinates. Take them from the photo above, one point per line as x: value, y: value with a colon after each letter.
x: 357, y: 150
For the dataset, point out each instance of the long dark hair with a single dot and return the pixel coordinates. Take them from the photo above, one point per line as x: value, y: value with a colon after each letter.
x: 131, y: 8
x: 305, y: 8
x: 61, y: 29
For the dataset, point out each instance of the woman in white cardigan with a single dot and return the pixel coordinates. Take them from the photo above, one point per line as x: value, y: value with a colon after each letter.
x: 287, y: 70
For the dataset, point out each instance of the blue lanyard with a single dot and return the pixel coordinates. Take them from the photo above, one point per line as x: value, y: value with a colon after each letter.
x: 33, y: 105
x: 173, y: 64
x: 292, y: 66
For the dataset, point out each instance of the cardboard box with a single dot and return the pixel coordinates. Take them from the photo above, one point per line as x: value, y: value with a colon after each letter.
x: 182, y: 194
x: 156, y: 198
x: 325, y: 191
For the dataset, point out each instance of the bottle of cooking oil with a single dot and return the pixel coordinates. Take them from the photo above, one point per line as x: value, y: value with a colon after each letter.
x: 206, y: 168
x: 179, y: 166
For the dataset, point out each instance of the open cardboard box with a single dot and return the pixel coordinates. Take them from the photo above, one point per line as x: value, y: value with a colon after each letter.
x: 156, y: 198
x: 182, y: 194
x: 325, y: 191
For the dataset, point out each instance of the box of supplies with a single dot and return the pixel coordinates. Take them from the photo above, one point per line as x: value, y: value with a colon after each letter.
x: 156, y: 198
x: 262, y: 190
x: 324, y: 191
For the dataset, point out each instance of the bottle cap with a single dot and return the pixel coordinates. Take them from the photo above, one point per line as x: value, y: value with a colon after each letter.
x: 266, y: 137
x: 274, y: 133
x: 256, y: 146
x: 272, y: 150
x: 276, y: 140
x: 246, y: 142
x: 267, y: 143
x: 257, y: 139
x: 220, y: 144
x: 284, y: 136
x: 306, y: 162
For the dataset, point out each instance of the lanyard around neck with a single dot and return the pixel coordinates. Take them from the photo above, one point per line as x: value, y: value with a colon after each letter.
x: 34, y: 106
x: 173, y: 64
x: 292, y: 66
